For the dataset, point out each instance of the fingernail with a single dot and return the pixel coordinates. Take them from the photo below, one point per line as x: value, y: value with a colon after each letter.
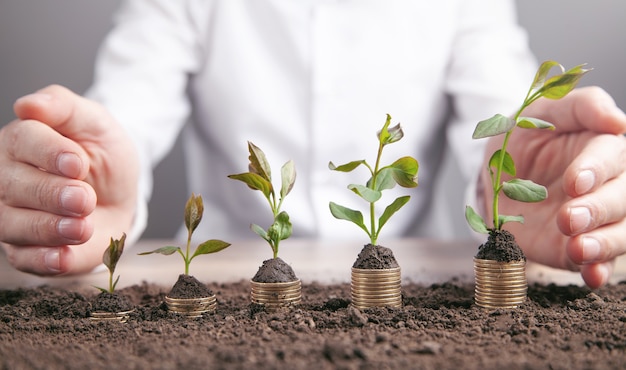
x: 584, y: 181
x: 66, y: 228
x: 69, y: 164
x: 73, y: 199
x: 52, y: 261
x: 580, y: 219
x: 591, y: 249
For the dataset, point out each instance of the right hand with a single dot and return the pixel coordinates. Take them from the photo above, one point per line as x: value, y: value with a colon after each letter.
x: 68, y: 183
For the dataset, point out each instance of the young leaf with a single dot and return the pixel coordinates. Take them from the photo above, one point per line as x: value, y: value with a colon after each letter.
x: 366, y: 193
x: 344, y: 213
x: 493, y: 126
x: 288, y: 178
x: 529, y: 122
x: 258, y: 162
x: 384, y: 180
x: 383, y: 135
x: 508, y: 166
x: 558, y: 86
x: 194, y: 208
x: 348, y: 167
x: 281, y: 228
x: 524, y: 190
x: 163, y: 250
x: 391, y: 209
x: 210, y: 246
x: 404, y: 172
x: 254, y: 182
x: 260, y: 231
x: 475, y: 221
x: 542, y: 73
x: 113, y: 253
x: 114, y: 284
x: 504, y: 219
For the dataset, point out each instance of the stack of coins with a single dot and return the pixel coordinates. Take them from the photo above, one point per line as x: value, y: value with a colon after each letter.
x: 376, y: 288
x: 191, y: 307
x: 276, y: 296
x: 121, y: 316
x: 500, y: 284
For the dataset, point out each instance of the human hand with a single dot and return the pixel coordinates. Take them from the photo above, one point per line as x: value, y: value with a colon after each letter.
x: 583, y: 165
x: 68, y: 183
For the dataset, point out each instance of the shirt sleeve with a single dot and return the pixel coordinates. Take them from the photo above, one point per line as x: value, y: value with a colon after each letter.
x: 141, y: 77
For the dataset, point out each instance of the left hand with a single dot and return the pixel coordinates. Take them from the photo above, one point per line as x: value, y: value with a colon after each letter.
x: 581, y: 226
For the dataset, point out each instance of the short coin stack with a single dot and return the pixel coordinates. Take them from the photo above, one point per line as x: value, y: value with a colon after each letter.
x: 376, y: 288
x: 500, y: 284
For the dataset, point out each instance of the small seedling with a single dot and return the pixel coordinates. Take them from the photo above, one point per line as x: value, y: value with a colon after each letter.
x: 110, y: 258
x: 194, y: 208
x: 555, y: 87
x: 259, y: 178
x: 402, y: 172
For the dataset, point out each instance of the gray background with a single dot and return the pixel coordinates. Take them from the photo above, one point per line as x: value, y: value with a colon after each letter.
x: 44, y: 42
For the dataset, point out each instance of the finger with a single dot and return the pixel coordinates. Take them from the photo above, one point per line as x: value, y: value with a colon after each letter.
x: 22, y: 226
x: 600, y: 245
x: 589, y: 108
x: 593, y: 210
x: 37, y: 144
x: 597, y: 275
x: 24, y: 186
x: 602, y: 159
x: 53, y: 261
x: 66, y: 112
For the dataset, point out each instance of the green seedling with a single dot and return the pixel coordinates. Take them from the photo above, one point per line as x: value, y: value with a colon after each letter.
x: 194, y: 208
x: 259, y: 178
x: 402, y: 172
x: 110, y: 258
x: 555, y: 87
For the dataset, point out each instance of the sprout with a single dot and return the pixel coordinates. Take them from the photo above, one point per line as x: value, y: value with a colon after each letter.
x: 110, y: 258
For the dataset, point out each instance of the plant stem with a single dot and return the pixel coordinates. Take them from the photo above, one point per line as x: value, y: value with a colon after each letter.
x: 374, y: 233
x: 186, y: 256
x: 111, y: 282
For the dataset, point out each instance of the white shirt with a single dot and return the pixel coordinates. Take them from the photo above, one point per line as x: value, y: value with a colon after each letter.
x: 310, y: 81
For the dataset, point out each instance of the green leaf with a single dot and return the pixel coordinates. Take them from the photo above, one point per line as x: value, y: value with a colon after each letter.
x: 404, y: 172
x: 348, y: 167
x: 254, y: 182
x: 370, y: 195
x: 529, y: 122
x: 391, y: 209
x: 384, y: 180
x: 496, y: 125
x: 558, y: 86
x: 113, y: 253
x: 210, y: 246
x: 194, y: 208
x: 288, y: 178
x: 383, y: 135
x: 504, y: 219
x: 258, y: 162
x: 542, y: 73
x: 508, y: 165
x: 524, y: 190
x: 344, y: 213
x: 281, y: 228
x: 260, y: 231
x: 163, y: 250
x: 389, y: 135
x: 475, y: 221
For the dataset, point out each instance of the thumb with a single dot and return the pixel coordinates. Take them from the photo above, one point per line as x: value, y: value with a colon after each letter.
x: 586, y: 108
x: 69, y: 114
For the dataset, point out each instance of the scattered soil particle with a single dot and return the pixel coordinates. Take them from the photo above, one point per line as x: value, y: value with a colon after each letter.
x: 500, y: 246
x: 275, y: 270
x: 438, y: 327
x: 188, y: 286
x: 111, y: 302
x: 375, y: 257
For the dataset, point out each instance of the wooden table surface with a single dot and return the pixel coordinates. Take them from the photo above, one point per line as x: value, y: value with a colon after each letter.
x: 422, y: 261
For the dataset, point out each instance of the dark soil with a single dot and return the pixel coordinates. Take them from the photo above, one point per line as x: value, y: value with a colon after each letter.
x: 275, y: 270
x: 111, y: 302
x: 500, y: 246
x: 375, y: 257
x: 439, y: 327
x: 188, y: 286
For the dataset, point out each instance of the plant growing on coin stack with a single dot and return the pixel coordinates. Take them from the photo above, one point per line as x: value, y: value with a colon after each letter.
x: 109, y: 305
x: 500, y: 262
x: 376, y: 263
x: 189, y: 296
x: 275, y: 285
